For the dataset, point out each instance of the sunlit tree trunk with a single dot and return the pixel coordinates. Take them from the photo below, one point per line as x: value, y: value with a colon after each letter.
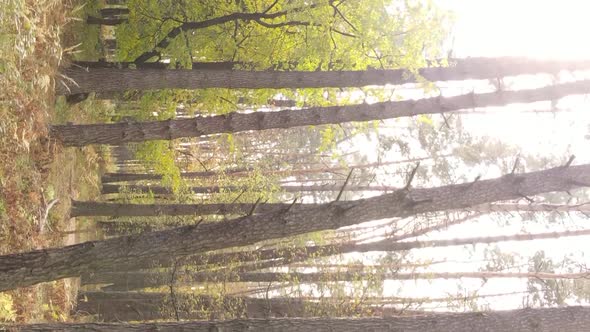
x: 120, y: 80
x: 123, y: 132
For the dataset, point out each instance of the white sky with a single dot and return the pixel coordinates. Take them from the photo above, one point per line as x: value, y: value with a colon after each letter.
x: 532, y: 28
x: 539, y: 29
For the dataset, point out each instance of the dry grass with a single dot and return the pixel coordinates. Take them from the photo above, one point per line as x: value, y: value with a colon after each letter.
x: 30, y: 55
x: 33, y: 170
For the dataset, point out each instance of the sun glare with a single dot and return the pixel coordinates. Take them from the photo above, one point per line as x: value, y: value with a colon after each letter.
x: 542, y: 29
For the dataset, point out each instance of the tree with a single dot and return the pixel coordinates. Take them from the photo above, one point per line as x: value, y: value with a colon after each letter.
x: 124, y: 132
x: 144, y: 210
x: 120, y: 80
x: 121, y: 177
x: 541, y: 207
x: 24, y: 269
x: 566, y: 319
x: 133, y: 306
x: 138, y: 280
x: 159, y: 190
x: 285, y: 256
x: 105, y: 20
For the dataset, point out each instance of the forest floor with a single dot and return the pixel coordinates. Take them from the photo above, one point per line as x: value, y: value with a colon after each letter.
x: 36, y: 38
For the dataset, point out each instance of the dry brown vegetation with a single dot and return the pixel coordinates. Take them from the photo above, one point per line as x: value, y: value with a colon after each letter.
x: 34, y: 171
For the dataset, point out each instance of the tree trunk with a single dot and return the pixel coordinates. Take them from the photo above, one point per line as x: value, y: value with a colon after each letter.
x: 114, y: 11
x: 146, y: 279
x: 103, y: 21
x: 123, y: 132
x: 125, y: 306
x: 223, y: 65
x: 121, y: 177
x: 514, y: 207
x: 159, y: 190
x: 317, y: 277
x: 29, y: 268
x: 120, y: 80
x: 568, y: 319
x: 144, y: 210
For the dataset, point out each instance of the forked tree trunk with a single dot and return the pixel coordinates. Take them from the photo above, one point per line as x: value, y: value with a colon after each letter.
x: 124, y: 132
x: 120, y: 80
x: 25, y: 269
x: 568, y: 319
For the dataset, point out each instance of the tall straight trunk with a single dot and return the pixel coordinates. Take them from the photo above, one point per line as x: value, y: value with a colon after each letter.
x: 514, y: 207
x: 120, y: 80
x: 121, y: 177
x: 92, y: 208
x: 159, y: 190
x: 274, y: 277
x: 387, y: 245
x: 105, y: 21
x: 29, y: 268
x: 146, y: 279
x: 227, y: 65
x: 123, y: 132
x: 139, y: 280
x: 114, y: 11
x: 126, y: 306
x: 568, y: 319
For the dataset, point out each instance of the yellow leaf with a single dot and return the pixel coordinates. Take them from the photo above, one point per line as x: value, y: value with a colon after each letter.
x: 425, y: 120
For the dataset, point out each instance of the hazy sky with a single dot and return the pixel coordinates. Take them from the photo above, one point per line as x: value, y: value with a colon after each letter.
x: 532, y: 28
x: 540, y: 28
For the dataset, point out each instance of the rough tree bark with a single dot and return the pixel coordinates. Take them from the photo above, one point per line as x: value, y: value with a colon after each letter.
x: 133, y: 306
x: 25, y: 269
x: 124, y: 132
x: 515, y: 207
x: 315, y: 277
x: 105, y: 21
x: 121, y: 80
x: 159, y: 190
x: 145, y: 279
x: 93, y: 208
x: 121, y: 177
x: 568, y: 319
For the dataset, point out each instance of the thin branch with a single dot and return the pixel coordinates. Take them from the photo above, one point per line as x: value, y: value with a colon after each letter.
x: 344, y: 185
